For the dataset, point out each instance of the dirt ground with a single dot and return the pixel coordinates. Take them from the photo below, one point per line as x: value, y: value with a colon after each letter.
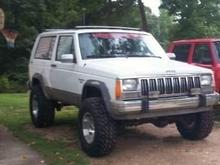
x: 148, y: 145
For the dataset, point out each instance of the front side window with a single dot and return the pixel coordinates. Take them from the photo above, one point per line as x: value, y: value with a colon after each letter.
x: 115, y: 44
x: 65, y: 46
x: 182, y: 52
x: 202, y: 54
x: 217, y: 49
x: 45, y: 48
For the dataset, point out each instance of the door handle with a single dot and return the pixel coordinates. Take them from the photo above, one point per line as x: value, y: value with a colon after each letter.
x: 53, y: 65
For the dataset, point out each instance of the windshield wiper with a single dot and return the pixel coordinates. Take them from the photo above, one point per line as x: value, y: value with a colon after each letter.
x: 101, y: 56
x: 133, y: 55
x: 121, y: 55
x: 155, y: 56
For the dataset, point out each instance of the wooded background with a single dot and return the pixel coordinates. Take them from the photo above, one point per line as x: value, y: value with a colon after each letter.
x: 178, y: 19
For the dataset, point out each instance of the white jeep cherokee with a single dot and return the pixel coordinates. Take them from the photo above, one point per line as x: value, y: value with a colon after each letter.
x: 116, y: 76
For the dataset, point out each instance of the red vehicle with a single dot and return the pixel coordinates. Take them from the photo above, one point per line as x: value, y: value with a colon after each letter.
x: 201, y: 52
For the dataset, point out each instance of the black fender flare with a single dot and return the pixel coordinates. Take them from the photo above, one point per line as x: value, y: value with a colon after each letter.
x: 103, y: 90
x: 39, y: 77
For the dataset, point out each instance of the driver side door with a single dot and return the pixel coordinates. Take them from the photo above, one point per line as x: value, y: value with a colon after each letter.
x: 63, y: 76
x: 202, y: 56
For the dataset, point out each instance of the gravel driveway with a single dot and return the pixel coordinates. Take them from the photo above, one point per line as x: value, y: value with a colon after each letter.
x: 148, y: 145
x: 142, y: 145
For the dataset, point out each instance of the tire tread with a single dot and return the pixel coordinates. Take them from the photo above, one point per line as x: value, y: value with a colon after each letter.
x: 105, y: 127
x: 203, y: 127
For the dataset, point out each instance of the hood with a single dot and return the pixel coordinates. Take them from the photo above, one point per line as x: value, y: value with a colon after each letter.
x: 139, y: 67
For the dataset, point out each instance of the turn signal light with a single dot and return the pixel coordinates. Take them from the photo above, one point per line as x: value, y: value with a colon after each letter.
x: 118, y: 92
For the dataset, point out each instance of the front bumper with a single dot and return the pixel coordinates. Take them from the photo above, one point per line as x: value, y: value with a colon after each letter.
x: 136, y: 109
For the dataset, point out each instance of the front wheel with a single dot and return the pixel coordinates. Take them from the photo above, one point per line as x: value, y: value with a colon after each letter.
x: 196, y: 126
x: 97, y: 129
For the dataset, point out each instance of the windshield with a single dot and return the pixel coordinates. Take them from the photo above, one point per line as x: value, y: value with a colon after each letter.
x: 217, y: 48
x: 115, y: 44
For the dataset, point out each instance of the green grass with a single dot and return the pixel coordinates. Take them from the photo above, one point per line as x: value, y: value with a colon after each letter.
x: 14, y: 114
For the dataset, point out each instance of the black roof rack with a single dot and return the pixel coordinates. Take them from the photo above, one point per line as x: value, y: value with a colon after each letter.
x: 107, y: 27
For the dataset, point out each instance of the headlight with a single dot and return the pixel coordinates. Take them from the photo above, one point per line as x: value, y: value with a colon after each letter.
x: 129, y: 84
x: 206, y: 80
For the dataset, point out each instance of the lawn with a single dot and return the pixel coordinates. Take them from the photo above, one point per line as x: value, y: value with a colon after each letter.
x: 14, y: 114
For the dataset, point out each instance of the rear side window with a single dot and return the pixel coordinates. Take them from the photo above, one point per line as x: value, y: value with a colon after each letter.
x: 181, y: 52
x: 45, y: 48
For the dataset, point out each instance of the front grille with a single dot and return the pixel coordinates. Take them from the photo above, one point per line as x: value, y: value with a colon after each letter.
x: 169, y: 85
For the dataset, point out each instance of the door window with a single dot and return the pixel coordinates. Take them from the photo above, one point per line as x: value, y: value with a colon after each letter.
x: 182, y: 52
x: 217, y: 49
x: 202, y: 54
x: 65, y: 46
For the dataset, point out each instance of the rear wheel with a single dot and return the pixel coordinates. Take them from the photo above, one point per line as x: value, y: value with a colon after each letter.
x: 96, y: 128
x: 196, y: 126
x: 41, y: 109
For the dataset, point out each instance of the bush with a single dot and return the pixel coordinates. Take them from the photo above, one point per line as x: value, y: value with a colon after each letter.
x: 16, y: 87
x: 11, y: 86
x: 14, y: 68
x: 4, y: 84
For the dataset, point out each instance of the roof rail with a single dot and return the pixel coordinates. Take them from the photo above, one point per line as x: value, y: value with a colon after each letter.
x: 52, y: 30
x: 107, y: 27
x: 95, y: 27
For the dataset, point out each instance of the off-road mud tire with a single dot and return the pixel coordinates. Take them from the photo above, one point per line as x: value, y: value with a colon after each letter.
x: 104, y: 126
x: 202, y: 126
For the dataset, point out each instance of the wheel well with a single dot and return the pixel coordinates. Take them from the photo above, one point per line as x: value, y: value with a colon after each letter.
x: 35, y: 82
x: 91, y: 92
x: 38, y: 82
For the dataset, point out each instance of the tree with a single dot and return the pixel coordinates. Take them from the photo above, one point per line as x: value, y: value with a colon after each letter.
x: 31, y: 17
x: 166, y: 27
x: 143, y: 16
x: 195, y: 18
x: 110, y: 13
